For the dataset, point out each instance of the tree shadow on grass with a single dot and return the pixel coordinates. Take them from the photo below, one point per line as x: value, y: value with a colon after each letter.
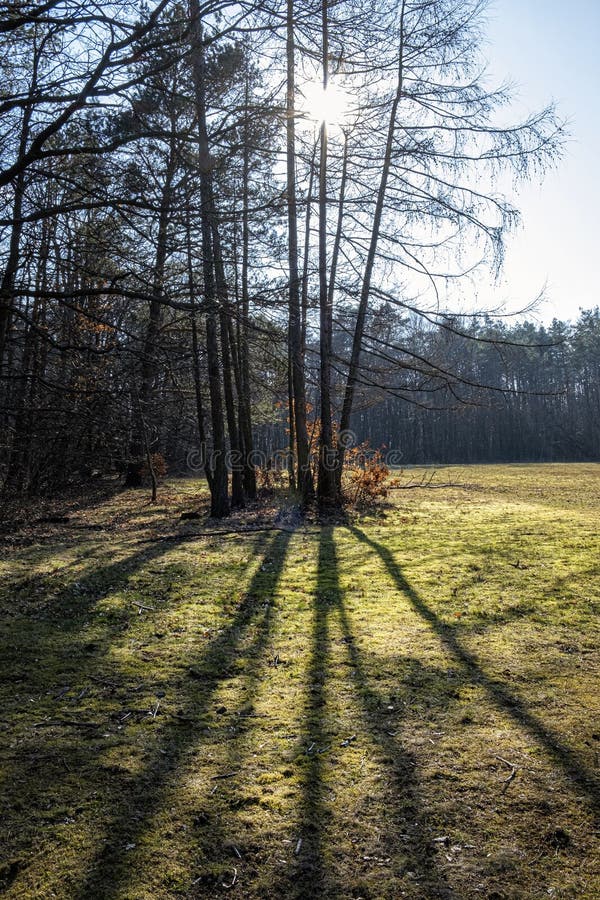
x: 55, y: 634
x: 406, y: 840
x: 566, y: 758
x: 48, y: 645
x: 47, y: 650
x: 311, y: 876
x: 143, y: 797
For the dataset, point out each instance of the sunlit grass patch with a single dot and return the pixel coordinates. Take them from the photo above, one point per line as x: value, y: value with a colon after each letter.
x: 403, y: 706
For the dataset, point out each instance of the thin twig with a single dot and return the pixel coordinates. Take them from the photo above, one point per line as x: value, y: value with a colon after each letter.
x: 220, y: 532
x: 142, y: 607
x: 49, y: 723
x: 97, y: 678
x: 513, y: 772
x: 410, y: 487
x: 227, y: 886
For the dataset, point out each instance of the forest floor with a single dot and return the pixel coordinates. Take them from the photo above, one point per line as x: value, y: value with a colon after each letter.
x: 401, y: 705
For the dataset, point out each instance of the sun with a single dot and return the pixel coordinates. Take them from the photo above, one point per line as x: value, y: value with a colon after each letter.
x: 330, y: 106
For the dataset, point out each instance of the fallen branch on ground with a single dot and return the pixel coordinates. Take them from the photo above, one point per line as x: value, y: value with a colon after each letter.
x: 513, y: 768
x: 410, y: 487
x: 223, y: 531
x: 71, y: 723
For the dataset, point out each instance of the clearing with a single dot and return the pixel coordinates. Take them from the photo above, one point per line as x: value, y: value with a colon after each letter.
x: 403, y: 705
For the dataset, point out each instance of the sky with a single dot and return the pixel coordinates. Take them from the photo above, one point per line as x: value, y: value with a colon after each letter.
x: 550, y: 50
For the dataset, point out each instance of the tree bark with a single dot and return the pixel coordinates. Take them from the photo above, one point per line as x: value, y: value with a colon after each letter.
x: 306, y: 257
x: 327, y: 484
x: 219, y: 484
x: 149, y: 371
x: 237, y: 472
x: 12, y: 262
x: 298, y: 412
x: 340, y: 221
x: 18, y: 469
x: 354, y: 366
x: 244, y: 394
x: 196, y: 358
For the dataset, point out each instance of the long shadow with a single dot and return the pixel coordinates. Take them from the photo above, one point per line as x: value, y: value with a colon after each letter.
x: 45, y: 648
x: 311, y: 877
x: 145, y: 794
x: 65, y: 618
x: 40, y: 641
x: 231, y: 794
x: 72, y: 503
x: 507, y: 702
x: 80, y: 594
x: 408, y: 853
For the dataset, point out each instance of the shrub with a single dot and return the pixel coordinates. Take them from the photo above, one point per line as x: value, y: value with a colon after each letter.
x: 158, y: 464
x: 365, y: 476
x: 268, y: 478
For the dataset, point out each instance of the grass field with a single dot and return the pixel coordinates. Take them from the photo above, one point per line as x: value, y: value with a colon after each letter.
x: 403, y: 705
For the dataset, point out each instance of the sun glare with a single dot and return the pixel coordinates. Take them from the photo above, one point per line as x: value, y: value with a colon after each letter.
x: 329, y: 105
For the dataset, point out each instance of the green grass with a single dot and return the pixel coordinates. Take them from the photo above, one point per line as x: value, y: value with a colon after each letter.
x: 333, y: 712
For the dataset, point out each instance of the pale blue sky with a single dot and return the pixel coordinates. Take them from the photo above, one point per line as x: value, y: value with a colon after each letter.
x: 551, y: 49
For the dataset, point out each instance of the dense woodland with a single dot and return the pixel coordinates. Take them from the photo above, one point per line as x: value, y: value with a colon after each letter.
x: 522, y: 392
x: 195, y: 263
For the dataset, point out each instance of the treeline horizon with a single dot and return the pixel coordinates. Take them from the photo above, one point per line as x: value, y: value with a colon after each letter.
x: 524, y: 392
x: 543, y: 405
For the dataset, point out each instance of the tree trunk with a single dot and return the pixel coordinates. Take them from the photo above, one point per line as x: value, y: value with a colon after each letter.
x: 327, y: 484
x: 219, y: 487
x: 149, y: 372
x: 340, y: 221
x: 199, y: 401
x: 292, y: 424
x: 354, y: 365
x: 298, y: 412
x: 12, y: 262
x: 306, y: 257
x: 196, y: 360
x: 244, y: 398
x: 17, y: 476
x: 237, y: 472
x: 227, y: 348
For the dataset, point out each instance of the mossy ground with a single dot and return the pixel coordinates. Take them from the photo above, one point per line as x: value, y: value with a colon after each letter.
x: 401, y: 706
